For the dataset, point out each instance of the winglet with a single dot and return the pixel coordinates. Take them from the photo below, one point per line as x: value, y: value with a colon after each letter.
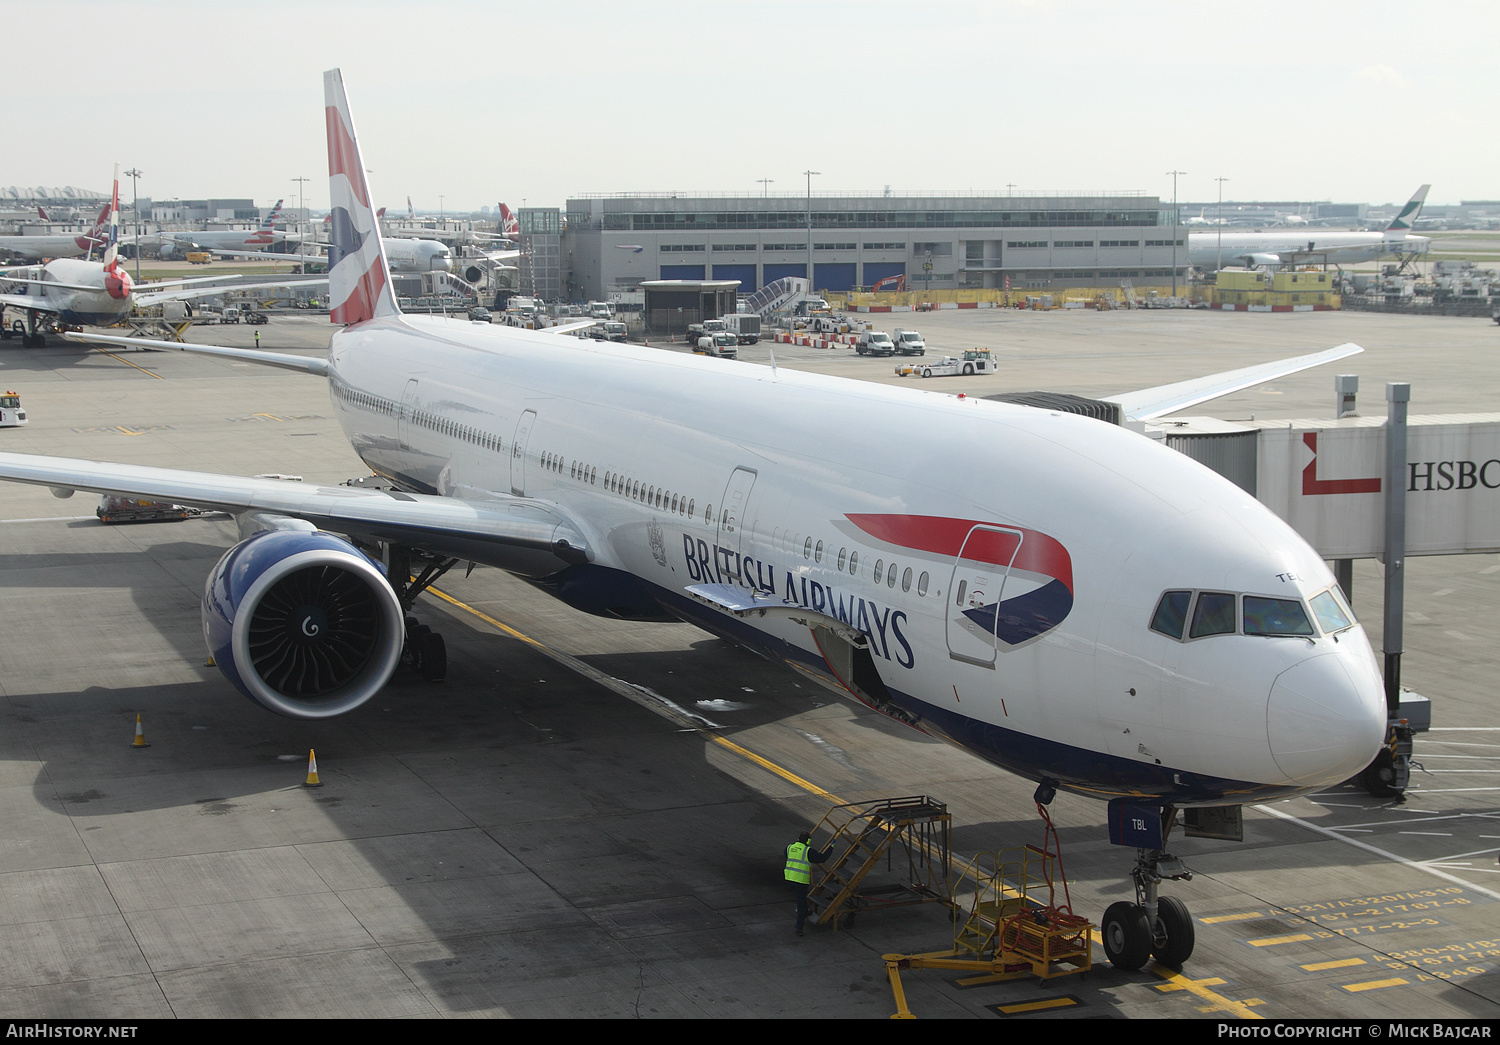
x: 359, y: 282
x: 1408, y: 217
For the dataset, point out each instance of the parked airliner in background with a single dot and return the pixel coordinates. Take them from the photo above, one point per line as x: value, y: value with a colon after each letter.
x: 1213, y: 250
x: 69, y: 245
x: 70, y: 293
x: 179, y: 242
x: 403, y: 255
x: 1065, y: 598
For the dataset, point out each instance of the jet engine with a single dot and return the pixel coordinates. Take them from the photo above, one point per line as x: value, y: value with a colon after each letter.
x: 302, y: 623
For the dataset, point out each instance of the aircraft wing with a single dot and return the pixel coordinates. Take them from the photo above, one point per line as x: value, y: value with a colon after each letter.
x: 185, y: 294
x: 33, y: 304
x: 512, y: 533
x: 1148, y: 403
x: 306, y: 364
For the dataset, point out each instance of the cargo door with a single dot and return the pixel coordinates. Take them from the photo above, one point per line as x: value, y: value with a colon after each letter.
x: 976, y: 590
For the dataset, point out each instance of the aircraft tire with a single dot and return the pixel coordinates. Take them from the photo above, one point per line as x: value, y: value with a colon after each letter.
x: 435, y: 658
x: 968, y: 370
x: 1379, y: 777
x: 1176, y: 936
x: 927, y: 373
x: 1127, y: 937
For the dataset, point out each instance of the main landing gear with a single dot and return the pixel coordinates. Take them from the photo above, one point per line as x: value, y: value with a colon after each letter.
x: 1158, y: 926
x: 425, y: 650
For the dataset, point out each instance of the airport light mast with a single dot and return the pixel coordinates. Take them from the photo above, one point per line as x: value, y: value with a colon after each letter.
x: 134, y: 173
x: 809, y: 227
x: 301, y: 213
x: 1219, y: 221
x: 1174, y: 175
x: 765, y: 186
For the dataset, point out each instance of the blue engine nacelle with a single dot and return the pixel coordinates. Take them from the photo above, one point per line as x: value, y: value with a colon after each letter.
x: 302, y: 623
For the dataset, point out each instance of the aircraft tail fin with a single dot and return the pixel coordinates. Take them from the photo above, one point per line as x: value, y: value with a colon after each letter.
x: 43, y: 214
x: 1402, y: 223
x: 271, y: 217
x: 410, y: 210
x: 112, y: 244
x: 359, y: 281
x: 509, y: 226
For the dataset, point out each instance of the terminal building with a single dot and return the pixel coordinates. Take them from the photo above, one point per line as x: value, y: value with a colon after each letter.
x: 615, y: 242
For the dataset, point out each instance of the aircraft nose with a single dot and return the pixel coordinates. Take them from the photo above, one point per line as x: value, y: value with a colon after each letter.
x: 1325, y: 718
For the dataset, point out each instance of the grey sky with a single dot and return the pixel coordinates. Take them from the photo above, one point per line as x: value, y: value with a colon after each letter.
x: 482, y: 102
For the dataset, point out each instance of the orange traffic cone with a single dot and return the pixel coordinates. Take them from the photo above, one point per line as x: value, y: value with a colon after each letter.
x: 312, y: 770
x: 140, y: 733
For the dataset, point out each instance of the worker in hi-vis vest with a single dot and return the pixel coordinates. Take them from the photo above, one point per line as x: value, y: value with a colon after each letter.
x: 800, y: 856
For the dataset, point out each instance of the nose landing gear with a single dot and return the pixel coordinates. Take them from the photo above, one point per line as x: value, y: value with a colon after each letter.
x: 1158, y: 926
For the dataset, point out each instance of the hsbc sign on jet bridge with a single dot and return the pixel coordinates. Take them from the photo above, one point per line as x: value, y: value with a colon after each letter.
x: 1326, y: 478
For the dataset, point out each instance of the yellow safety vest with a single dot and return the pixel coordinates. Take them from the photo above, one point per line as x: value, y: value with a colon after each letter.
x: 798, y: 869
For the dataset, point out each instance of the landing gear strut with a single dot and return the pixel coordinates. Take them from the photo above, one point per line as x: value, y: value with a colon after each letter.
x: 1153, y: 925
x: 425, y: 650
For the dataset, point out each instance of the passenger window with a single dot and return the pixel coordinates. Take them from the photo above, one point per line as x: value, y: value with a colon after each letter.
x: 890, y: 578
x: 906, y: 580
x: 963, y: 587
x: 1265, y: 616
x: 1171, y: 613
x: 922, y: 584
x: 854, y: 564
x: 1214, y: 615
x: 879, y: 570
x: 818, y: 552
x: 807, y: 549
x: 1330, y: 612
x: 843, y: 558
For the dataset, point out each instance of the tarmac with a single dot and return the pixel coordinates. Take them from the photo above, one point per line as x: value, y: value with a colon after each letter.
x: 587, y: 819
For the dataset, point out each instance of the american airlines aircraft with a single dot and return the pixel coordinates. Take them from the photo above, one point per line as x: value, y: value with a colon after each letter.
x: 180, y: 242
x: 1062, y: 597
x: 1212, y: 250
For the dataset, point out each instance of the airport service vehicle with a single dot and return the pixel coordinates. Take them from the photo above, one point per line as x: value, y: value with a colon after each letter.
x: 231, y: 314
x: 613, y: 329
x: 696, y: 332
x: 114, y: 508
x: 11, y: 414
x: 745, y: 326
x: 909, y: 343
x: 255, y: 317
x: 723, y: 344
x: 600, y: 310
x: 480, y: 314
x: 974, y: 361
x: 1065, y: 598
x: 875, y: 343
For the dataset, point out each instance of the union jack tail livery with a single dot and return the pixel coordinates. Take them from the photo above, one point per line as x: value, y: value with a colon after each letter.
x: 116, y: 280
x: 509, y: 226
x: 359, y: 283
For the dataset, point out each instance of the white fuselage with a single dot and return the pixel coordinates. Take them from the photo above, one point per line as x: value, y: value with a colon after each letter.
x: 1205, y: 249
x: 417, y: 255
x: 75, y: 307
x: 36, y: 248
x: 643, y: 448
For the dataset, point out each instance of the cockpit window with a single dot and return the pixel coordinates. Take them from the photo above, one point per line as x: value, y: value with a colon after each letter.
x: 1330, y: 611
x: 1265, y: 616
x: 1171, y: 613
x: 1214, y: 615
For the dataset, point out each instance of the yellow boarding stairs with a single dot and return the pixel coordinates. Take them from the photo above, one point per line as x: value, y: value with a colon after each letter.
x: 911, y: 836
